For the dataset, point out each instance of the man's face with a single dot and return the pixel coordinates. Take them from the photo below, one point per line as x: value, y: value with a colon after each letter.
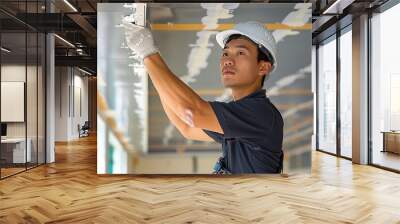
x: 239, y: 66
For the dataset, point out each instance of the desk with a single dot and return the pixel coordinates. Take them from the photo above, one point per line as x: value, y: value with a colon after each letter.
x: 391, y: 141
x: 16, y: 147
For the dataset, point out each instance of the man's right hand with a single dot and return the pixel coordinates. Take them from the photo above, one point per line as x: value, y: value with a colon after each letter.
x: 139, y: 39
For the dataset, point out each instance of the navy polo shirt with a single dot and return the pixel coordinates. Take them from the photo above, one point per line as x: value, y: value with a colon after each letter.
x: 253, y: 134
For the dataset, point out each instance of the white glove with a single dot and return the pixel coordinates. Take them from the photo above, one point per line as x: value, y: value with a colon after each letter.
x: 139, y: 39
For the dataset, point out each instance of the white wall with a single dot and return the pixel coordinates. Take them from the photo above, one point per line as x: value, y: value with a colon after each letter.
x: 16, y: 73
x: 71, y: 94
x: 33, y: 126
x: 12, y: 73
x: 81, y: 89
x: 61, y: 103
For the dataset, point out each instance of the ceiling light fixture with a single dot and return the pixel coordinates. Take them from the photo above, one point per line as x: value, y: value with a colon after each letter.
x: 84, y: 71
x: 337, y: 7
x: 5, y: 50
x: 70, y: 5
x: 64, y: 40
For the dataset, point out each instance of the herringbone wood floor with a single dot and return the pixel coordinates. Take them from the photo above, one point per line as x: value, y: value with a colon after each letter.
x: 69, y: 191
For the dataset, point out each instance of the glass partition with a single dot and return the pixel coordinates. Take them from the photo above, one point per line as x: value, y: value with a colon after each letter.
x: 14, y: 153
x: 327, y: 95
x: 31, y: 97
x: 41, y: 96
x: 22, y: 88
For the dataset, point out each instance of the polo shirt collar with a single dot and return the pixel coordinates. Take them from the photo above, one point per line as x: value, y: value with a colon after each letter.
x: 261, y: 93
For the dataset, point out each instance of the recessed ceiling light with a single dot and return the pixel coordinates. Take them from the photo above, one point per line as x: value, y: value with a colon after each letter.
x: 84, y: 71
x: 64, y: 40
x: 337, y: 7
x: 70, y: 5
x: 5, y: 50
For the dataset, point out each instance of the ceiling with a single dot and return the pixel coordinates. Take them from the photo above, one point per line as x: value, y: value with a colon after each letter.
x: 76, y: 22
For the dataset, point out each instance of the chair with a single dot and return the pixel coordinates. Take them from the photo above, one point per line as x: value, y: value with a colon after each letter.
x: 84, y: 130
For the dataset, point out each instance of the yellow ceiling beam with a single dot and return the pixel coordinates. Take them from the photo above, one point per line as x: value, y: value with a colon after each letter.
x: 225, y: 26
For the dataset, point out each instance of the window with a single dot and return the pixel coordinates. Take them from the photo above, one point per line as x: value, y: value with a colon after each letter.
x: 346, y: 92
x: 327, y: 95
x: 385, y: 89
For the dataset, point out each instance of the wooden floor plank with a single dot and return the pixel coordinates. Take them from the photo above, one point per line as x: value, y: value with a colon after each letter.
x: 70, y: 191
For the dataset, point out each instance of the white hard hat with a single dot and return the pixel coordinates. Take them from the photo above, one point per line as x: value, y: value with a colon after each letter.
x: 256, y: 32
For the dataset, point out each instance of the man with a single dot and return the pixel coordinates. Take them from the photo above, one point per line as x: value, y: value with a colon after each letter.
x: 249, y: 128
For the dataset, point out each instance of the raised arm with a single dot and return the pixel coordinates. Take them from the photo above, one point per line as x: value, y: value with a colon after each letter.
x: 187, y: 131
x: 180, y: 98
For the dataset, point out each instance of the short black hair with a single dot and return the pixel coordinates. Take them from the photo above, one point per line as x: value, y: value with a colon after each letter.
x: 261, y: 56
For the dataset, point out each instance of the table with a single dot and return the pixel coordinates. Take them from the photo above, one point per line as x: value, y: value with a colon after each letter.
x: 16, y: 147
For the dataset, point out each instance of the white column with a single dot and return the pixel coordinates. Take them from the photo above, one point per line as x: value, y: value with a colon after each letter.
x: 50, y: 99
x: 50, y: 92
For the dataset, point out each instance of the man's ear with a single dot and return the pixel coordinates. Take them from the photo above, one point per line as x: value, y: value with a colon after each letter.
x: 264, y: 68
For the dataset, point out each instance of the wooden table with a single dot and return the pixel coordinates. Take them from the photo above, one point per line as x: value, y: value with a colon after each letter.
x: 391, y: 141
